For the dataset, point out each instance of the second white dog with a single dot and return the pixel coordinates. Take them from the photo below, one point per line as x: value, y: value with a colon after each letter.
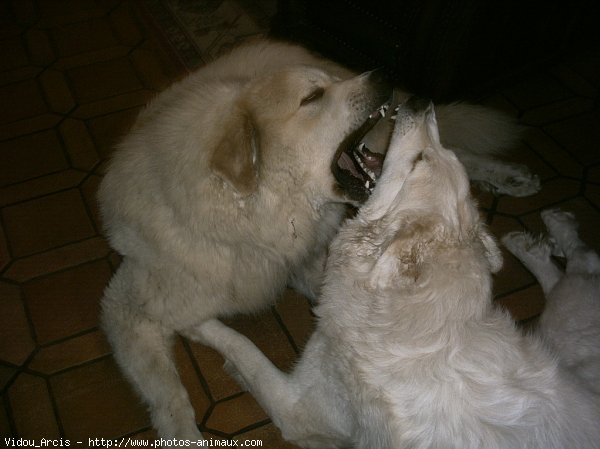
x: 409, y: 351
x: 571, y: 321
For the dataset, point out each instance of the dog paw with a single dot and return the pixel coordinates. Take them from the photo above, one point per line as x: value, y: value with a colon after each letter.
x: 515, y: 180
x: 516, y: 242
x: 524, y: 245
x: 562, y: 227
x: 559, y: 217
x: 232, y: 370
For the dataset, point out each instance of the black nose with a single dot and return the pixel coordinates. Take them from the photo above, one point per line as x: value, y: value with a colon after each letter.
x: 381, y: 84
x: 379, y: 76
x: 417, y: 104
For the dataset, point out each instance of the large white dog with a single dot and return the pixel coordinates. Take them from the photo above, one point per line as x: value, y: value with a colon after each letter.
x: 409, y: 351
x: 231, y: 185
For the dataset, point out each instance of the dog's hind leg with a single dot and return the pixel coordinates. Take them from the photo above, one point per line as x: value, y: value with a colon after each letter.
x: 535, y: 254
x: 562, y: 228
x: 142, y: 348
x: 571, y: 319
x: 300, y: 404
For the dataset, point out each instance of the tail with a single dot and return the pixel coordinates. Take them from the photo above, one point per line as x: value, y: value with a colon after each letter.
x: 476, y: 129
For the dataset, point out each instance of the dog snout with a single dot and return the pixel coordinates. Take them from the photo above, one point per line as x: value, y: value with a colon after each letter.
x: 418, y: 105
x: 380, y: 85
x: 416, y: 114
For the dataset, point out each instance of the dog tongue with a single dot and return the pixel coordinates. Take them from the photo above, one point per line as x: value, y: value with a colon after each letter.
x: 345, y: 163
x: 373, y: 161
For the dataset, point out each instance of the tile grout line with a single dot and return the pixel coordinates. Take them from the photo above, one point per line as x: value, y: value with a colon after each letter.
x: 285, y: 330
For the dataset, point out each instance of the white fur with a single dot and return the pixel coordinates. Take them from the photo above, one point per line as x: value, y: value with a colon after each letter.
x: 486, y: 132
x: 198, y: 244
x: 571, y: 321
x: 409, y: 350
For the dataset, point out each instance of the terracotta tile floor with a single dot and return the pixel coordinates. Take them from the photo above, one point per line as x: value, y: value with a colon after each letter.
x: 73, y: 75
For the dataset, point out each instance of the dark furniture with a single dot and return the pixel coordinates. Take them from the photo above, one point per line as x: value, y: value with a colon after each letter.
x: 440, y: 49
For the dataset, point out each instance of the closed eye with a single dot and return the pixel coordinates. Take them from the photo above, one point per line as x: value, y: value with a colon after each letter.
x: 313, y: 96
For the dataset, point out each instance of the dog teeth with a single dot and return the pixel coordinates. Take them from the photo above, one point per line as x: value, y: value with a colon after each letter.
x: 369, y: 172
x: 383, y: 109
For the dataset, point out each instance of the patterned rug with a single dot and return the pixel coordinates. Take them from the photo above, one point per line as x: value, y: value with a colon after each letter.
x: 198, y: 31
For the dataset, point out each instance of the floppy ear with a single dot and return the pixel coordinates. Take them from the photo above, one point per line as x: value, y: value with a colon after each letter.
x: 235, y: 158
x: 395, y: 268
x: 400, y: 262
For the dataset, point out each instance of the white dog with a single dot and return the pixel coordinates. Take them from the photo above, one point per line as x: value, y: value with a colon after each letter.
x: 409, y: 351
x: 232, y: 184
x: 571, y: 320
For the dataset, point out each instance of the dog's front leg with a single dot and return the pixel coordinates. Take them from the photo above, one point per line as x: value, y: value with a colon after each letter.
x: 301, y: 404
x: 270, y: 386
x: 143, y: 350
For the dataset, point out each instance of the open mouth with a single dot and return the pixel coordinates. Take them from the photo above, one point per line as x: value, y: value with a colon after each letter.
x: 358, y: 162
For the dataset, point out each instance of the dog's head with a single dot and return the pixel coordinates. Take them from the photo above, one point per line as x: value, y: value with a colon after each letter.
x: 307, y: 125
x: 422, y: 179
